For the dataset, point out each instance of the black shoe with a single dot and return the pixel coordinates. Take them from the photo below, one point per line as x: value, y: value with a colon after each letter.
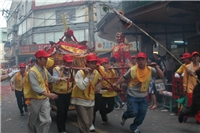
x: 92, y: 130
x: 22, y: 114
x: 197, y: 122
x: 181, y: 117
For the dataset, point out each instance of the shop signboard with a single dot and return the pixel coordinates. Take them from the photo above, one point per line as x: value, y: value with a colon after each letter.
x: 106, y: 46
x: 31, y: 49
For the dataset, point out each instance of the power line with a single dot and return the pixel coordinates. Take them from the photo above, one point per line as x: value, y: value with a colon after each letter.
x: 58, y: 10
x: 52, y: 25
x: 57, y: 19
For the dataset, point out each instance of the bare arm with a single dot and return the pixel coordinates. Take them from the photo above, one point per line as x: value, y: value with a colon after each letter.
x: 119, y: 81
x: 50, y: 95
x: 12, y: 81
x: 3, y: 77
x: 159, y: 72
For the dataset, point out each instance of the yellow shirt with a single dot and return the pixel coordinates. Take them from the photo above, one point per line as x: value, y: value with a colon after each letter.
x: 190, y: 81
x: 181, y: 69
x: 109, y: 74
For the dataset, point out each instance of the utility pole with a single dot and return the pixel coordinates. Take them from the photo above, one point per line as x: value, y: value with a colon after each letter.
x: 91, y: 23
x: 15, y: 38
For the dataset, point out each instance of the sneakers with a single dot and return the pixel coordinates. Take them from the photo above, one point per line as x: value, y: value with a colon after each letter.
x: 135, y: 131
x: 122, y: 120
x: 122, y: 105
x: 181, y: 116
x: 92, y: 129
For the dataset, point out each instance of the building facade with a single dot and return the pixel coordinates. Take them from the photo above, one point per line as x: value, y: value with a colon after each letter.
x: 3, y: 39
x: 32, y: 24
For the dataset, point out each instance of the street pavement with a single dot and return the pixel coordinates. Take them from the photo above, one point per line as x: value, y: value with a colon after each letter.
x: 156, y: 121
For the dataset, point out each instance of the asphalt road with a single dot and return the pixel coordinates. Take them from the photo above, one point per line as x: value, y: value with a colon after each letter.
x: 156, y: 121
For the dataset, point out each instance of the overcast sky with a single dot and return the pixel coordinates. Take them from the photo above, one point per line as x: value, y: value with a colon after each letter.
x: 5, y: 4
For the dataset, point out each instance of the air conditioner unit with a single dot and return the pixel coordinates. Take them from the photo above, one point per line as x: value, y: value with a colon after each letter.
x: 198, y: 27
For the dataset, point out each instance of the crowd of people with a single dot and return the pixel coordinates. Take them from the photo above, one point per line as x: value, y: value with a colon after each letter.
x: 96, y: 87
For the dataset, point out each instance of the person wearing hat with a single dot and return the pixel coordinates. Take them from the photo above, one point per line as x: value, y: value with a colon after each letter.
x: 190, y: 80
x: 63, y: 90
x: 37, y: 94
x: 133, y: 60
x: 16, y: 84
x: 187, y: 60
x: 194, y: 109
x: 139, y: 77
x: 108, y: 98
x: 31, y: 63
x: 83, y: 93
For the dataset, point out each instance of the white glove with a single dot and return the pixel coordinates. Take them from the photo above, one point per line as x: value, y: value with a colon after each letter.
x: 182, y: 74
x: 13, y: 73
x: 177, y: 75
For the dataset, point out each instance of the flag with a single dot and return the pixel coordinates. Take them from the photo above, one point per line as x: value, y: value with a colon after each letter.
x: 64, y: 22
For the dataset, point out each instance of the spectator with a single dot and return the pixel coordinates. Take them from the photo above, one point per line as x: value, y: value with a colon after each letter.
x: 152, y: 88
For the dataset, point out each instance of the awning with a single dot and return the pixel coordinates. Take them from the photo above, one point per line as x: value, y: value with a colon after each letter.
x: 152, y: 18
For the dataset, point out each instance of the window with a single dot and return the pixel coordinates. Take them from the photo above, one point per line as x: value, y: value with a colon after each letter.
x: 86, y: 34
x: 49, y: 37
x: 39, y: 38
x: 29, y: 40
x: 39, y: 22
x: 49, y: 16
x: 70, y: 15
x: 80, y: 35
x: 58, y: 35
x: 23, y: 41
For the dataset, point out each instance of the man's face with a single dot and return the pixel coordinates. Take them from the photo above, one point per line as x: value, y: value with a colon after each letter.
x: 111, y: 63
x: 105, y: 65
x: 92, y: 64
x: 195, y: 58
x: 22, y: 69
x: 68, y: 64
x: 42, y: 61
x: 187, y: 60
x: 141, y: 62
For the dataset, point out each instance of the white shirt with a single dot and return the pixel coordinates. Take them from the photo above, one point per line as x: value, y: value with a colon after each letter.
x: 82, y: 84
